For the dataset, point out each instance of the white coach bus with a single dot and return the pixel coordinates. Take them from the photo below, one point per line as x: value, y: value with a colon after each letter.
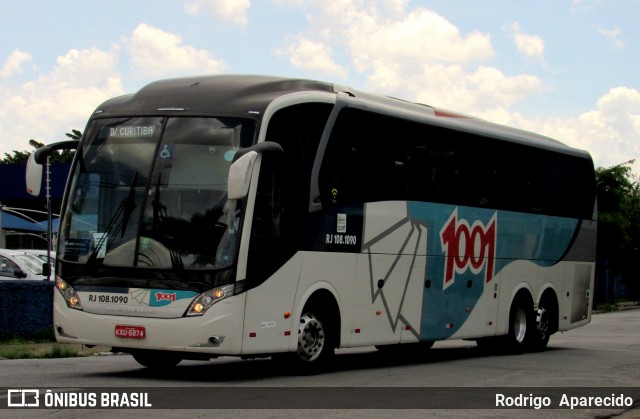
x: 256, y: 216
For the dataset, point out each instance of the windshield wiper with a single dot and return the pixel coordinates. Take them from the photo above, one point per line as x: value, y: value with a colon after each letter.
x: 126, y: 207
x: 160, y: 216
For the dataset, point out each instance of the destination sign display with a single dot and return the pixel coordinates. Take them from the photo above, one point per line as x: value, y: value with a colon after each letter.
x: 126, y: 131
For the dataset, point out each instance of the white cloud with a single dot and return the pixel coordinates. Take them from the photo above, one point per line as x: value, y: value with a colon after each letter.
x: 485, y: 91
x: 156, y: 53
x: 419, y: 37
x: 55, y: 103
x: 232, y: 11
x: 312, y: 56
x: 532, y: 46
x: 610, y: 131
x: 13, y: 64
x: 398, y: 51
x: 612, y: 35
x: 585, y: 5
x: 414, y: 54
x: 371, y: 36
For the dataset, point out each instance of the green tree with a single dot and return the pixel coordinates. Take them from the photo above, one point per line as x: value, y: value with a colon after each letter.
x: 619, y: 225
x: 62, y: 156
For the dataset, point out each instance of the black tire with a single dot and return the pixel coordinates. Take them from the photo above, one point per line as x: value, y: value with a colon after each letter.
x: 316, y: 343
x: 522, y: 326
x: 545, y: 327
x: 156, y: 359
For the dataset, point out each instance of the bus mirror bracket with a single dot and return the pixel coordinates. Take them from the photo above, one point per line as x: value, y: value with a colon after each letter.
x: 38, y: 158
x: 241, y: 169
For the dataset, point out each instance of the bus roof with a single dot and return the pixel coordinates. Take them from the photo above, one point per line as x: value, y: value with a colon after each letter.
x: 220, y: 95
x: 250, y: 96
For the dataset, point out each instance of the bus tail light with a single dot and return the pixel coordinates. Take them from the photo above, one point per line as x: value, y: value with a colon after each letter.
x: 208, y: 298
x: 69, y: 294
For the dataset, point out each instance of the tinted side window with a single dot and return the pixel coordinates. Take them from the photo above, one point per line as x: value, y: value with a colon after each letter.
x: 7, y: 267
x: 282, y: 199
x: 372, y: 157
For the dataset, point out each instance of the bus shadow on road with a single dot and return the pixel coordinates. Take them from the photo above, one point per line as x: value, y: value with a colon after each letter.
x: 233, y: 370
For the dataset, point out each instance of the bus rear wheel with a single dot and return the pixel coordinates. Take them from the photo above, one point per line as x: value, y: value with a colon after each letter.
x: 544, y: 329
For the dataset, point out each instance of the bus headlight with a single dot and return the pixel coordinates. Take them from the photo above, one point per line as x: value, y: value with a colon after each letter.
x: 208, y: 298
x: 68, y: 293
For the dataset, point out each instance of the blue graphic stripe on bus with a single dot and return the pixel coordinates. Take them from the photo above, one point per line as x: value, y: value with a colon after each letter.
x: 159, y: 298
x: 468, y: 247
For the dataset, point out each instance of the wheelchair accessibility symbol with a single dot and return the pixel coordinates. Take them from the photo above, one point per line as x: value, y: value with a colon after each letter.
x: 166, y: 152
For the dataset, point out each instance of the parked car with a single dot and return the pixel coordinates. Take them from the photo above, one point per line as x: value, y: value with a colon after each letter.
x: 42, y: 254
x: 16, y: 264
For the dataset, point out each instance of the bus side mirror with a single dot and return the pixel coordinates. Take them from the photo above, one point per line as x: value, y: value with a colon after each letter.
x: 38, y: 158
x: 240, y: 175
x: 46, y: 269
x: 33, y: 176
x: 241, y: 169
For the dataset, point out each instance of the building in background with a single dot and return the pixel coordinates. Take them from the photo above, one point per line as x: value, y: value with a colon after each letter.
x: 24, y: 217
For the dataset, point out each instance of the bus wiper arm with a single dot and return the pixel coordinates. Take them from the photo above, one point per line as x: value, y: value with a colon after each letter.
x: 126, y: 207
x: 160, y: 216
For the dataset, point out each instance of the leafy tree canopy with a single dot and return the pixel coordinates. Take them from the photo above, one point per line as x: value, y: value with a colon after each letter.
x: 62, y: 156
x: 619, y: 222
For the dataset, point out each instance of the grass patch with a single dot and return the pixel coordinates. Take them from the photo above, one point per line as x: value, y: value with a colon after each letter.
x: 606, y: 307
x: 45, y: 335
x: 36, y: 351
x: 61, y: 352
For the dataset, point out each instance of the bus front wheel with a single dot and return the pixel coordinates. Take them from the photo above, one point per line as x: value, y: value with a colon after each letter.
x: 314, y: 343
x: 156, y: 359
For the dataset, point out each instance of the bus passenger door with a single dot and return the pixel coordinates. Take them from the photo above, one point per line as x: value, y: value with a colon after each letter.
x: 272, y: 273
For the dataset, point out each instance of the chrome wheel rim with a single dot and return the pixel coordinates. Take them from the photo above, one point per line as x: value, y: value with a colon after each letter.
x: 542, y: 322
x: 311, y: 338
x: 519, y: 325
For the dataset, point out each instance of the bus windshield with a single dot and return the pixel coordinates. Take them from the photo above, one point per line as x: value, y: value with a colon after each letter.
x: 152, y: 192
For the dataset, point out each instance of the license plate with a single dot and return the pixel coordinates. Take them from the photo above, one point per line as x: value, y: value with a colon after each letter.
x: 130, y: 332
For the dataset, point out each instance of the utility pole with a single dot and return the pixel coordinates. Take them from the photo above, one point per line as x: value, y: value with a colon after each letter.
x: 3, y: 241
x: 49, y: 229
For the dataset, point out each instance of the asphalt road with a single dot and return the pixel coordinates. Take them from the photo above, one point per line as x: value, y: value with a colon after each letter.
x: 600, y: 359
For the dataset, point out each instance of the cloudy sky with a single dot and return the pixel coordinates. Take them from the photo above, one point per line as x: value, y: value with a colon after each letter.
x: 569, y: 69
